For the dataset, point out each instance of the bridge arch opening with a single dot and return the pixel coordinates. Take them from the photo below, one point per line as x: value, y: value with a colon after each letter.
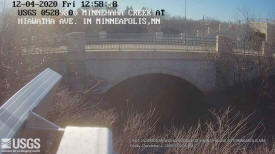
x: 174, y: 99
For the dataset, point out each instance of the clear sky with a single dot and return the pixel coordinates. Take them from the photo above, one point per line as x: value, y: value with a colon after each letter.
x: 226, y: 10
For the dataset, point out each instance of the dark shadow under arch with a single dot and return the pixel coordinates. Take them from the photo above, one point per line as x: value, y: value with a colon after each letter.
x: 175, y: 99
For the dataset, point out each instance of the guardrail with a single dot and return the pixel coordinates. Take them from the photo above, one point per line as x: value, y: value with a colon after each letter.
x: 122, y: 41
x: 150, y: 39
x: 148, y: 42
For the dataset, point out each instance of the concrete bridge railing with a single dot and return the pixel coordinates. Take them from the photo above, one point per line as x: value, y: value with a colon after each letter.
x: 148, y: 42
x: 81, y: 42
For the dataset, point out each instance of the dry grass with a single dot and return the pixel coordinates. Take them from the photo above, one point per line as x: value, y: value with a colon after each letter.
x: 70, y: 109
x: 11, y: 81
x: 218, y: 135
x: 137, y: 126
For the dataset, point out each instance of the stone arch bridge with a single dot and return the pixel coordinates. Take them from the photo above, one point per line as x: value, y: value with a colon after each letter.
x: 115, y: 60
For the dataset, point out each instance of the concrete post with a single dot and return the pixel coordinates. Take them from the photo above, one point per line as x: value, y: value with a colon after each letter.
x: 198, y: 33
x: 159, y: 35
x: 102, y: 35
x: 181, y: 36
x: 75, y: 59
x: 224, y: 44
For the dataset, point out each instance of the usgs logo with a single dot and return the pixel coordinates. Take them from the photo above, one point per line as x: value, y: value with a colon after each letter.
x: 20, y: 144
